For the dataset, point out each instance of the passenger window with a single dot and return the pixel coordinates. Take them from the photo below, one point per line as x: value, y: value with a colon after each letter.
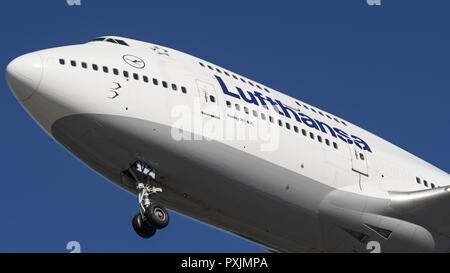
x: 228, y: 104
x: 135, y: 76
x: 288, y: 126
x: 145, y: 78
x: 250, y: 83
x: 201, y: 64
x: 263, y: 116
x: 335, y: 145
x: 174, y: 87
x: 255, y: 113
x: 237, y: 107
x: 296, y: 129
x: 425, y: 183
x: 418, y: 180
x: 327, y: 141
x: 319, y: 138
x: 361, y: 156
x: 210, y: 67
x: 243, y: 80
x: 218, y: 70
x: 125, y: 74
x: 155, y: 81
x: 164, y: 84
x: 84, y: 65
x: 246, y: 109
x: 234, y: 76
x: 73, y: 63
x: 115, y: 71
x: 267, y: 90
x: 259, y: 87
x: 280, y: 122
x: 95, y: 67
x: 311, y: 135
x: 271, y: 119
x: 61, y: 61
x: 304, y: 132
x: 183, y: 89
x: 226, y: 73
x: 212, y: 99
x: 432, y: 185
x: 105, y: 69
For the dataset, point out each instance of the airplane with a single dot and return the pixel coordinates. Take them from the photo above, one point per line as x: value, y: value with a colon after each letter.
x: 182, y: 133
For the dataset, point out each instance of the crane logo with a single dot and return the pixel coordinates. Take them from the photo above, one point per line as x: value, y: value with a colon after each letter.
x: 134, y: 61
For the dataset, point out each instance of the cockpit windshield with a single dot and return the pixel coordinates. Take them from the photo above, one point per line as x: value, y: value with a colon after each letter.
x: 111, y: 40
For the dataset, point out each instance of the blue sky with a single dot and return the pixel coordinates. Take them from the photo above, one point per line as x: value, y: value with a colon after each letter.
x: 385, y: 68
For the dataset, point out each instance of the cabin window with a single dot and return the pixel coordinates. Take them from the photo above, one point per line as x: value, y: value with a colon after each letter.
x: 212, y: 99
x: 335, y: 145
x: 267, y: 90
x: 312, y: 109
x: 105, y: 69
x: 319, y: 138
x: 304, y: 132
x: 201, y: 64
x: 218, y: 70
x: 311, y: 135
x: 234, y: 76
x: 238, y: 108
x: 84, y: 65
x: 226, y: 73
x: 271, y: 119
x: 145, y: 78
x: 135, y: 76
x: 327, y: 141
x: 296, y: 129
x: 425, y: 183
x: 95, y: 67
x: 183, y: 89
x: 228, y: 104
x: 155, y: 81
x: 432, y: 185
x: 361, y: 156
x: 164, y: 84
x: 174, y: 87
x: 243, y: 80
x: 61, y: 61
x: 263, y: 116
x: 115, y: 71
x: 288, y: 126
x: 125, y: 74
x: 73, y: 63
x: 246, y: 109
x: 210, y: 67
x: 250, y: 83
x: 255, y: 113
x: 418, y: 180
x: 344, y: 123
x: 259, y: 87
x: 280, y: 122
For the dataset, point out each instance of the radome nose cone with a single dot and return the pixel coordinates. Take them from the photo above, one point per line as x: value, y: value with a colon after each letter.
x: 24, y: 75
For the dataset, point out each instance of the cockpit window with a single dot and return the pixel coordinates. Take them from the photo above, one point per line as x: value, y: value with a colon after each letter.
x: 111, y: 40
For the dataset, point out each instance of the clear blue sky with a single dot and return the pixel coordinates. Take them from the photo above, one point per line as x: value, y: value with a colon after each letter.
x: 385, y: 68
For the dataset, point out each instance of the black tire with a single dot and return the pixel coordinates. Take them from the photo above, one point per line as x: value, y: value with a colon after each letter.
x: 143, y: 228
x: 157, y: 215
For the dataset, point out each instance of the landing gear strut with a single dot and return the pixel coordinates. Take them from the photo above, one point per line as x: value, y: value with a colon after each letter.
x: 152, y: 216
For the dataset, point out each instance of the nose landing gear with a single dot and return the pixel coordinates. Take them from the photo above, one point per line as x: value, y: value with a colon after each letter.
x: 152, y: 216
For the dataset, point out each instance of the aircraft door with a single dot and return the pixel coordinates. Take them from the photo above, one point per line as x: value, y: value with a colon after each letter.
x: 208, y: 99
x: 359, y: 160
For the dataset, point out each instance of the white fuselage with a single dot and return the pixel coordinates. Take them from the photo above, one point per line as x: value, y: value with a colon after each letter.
x: 227, y: 150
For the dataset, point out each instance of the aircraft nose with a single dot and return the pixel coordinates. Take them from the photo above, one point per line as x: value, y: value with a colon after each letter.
x: 24, y: 74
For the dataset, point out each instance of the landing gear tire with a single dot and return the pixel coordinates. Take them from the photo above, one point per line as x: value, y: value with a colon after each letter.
x: 142, y: 227
x: 157, y: 215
